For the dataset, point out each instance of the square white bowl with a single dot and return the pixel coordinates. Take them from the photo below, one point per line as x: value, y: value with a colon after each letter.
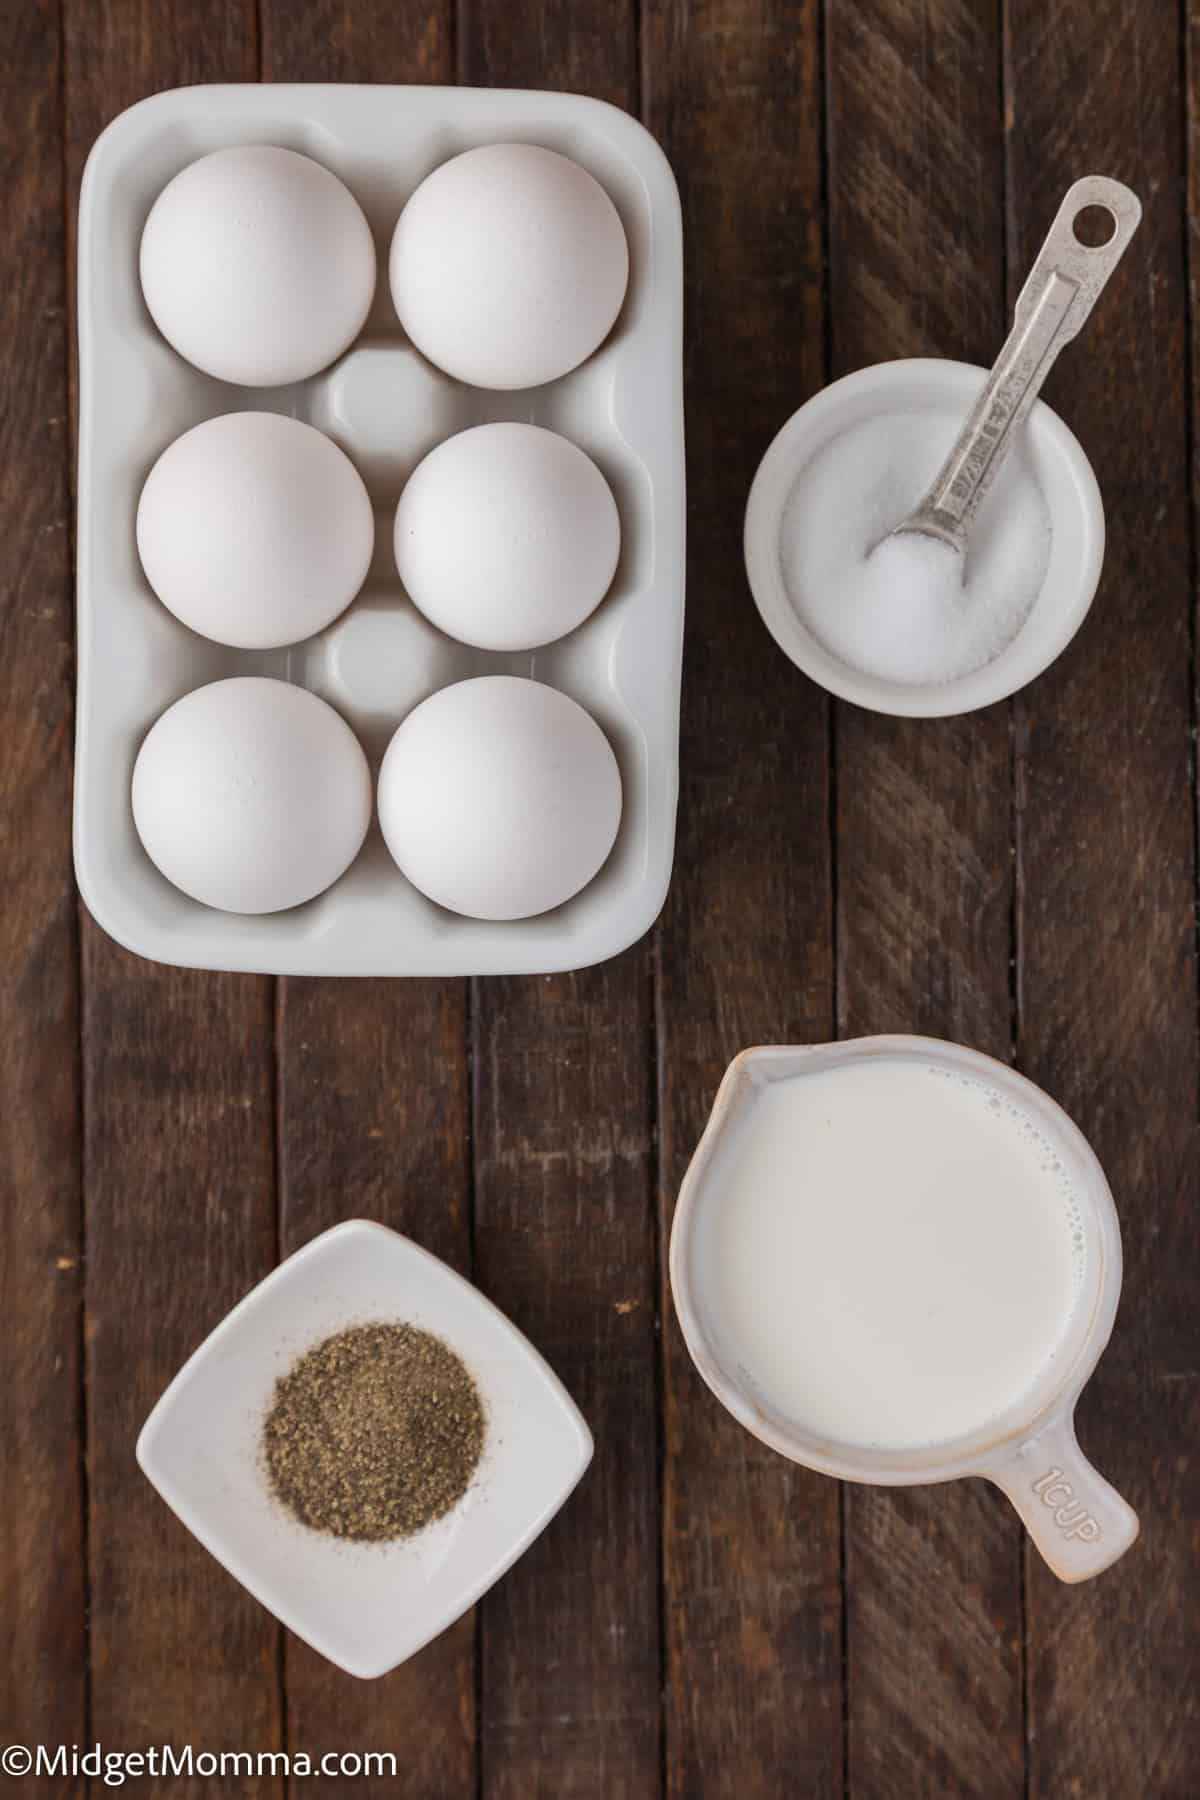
x: 367, y: 1607
x: 386, y: 406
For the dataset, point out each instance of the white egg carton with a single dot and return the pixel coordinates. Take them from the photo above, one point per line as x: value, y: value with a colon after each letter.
x: 386, y: 407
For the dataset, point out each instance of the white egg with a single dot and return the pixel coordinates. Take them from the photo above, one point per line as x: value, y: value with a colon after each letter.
x: 255, y: 530
x: 507, y: 536
x: 257, y: 265
x: 508, y: 266
x: 499, y: 798
x: 251, y: 795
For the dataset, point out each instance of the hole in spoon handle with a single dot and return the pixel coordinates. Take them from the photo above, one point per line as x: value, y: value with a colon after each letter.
x: 1086, y: 265
x: 1080, y: 1524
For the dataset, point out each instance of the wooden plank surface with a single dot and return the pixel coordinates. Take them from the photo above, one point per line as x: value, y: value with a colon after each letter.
x: 43, y: 1681
x: 373, y: 1089
x: 179, y: 1158
x: 701, y: 1642
x: 564, y: 1230
x: 1106, y: 924
x: 373, y: 1114
x: 564, y: 1243
x: 751, y: 1544
x: 924, y: 864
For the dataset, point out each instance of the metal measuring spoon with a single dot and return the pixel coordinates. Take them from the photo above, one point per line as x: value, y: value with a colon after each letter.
x: 1059, y: 293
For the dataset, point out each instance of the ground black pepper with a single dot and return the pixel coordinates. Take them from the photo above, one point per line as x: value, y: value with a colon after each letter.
x: 374, y: 1433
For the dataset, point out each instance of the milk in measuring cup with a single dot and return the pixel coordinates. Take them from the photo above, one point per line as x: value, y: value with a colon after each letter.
x: 896, y: 1255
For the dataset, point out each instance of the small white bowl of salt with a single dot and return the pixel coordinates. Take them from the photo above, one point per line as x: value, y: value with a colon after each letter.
x: 923, y: 566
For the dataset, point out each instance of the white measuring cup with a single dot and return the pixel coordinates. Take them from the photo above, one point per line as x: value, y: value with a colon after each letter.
x: 1079, y: 1523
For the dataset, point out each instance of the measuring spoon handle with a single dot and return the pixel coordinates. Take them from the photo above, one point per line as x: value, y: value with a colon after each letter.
x: 1059, y: 293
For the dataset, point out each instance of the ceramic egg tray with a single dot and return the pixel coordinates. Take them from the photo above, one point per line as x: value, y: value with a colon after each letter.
x: 386, y: 407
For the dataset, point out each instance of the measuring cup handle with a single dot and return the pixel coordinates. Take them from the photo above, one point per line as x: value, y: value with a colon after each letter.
x: 1078, y: 1522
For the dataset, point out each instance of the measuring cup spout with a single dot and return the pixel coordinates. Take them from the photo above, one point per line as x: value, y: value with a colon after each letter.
x: 1079, y: 1523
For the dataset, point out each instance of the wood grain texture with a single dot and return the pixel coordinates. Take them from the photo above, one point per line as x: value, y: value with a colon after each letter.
x: 924, y: 864
x: 751, y: 1543
x: 564, y: 1242
x: 373, y: 1094
x: 1107, y: 1014
x: 179, y: 1159
x: 373, y: 1100
x: 551, y: 44
x: 43, y: 1674
x: 564, y: 1230
x: 373, y: 1114
x: 357, y: 40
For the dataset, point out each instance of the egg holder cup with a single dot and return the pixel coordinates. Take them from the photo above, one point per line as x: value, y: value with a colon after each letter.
x: 386, y: 407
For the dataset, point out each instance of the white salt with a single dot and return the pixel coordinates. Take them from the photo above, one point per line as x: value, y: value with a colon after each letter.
x: 909, y: 609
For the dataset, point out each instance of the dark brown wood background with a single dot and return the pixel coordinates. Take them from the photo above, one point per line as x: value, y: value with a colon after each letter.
x: 860, y: 180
